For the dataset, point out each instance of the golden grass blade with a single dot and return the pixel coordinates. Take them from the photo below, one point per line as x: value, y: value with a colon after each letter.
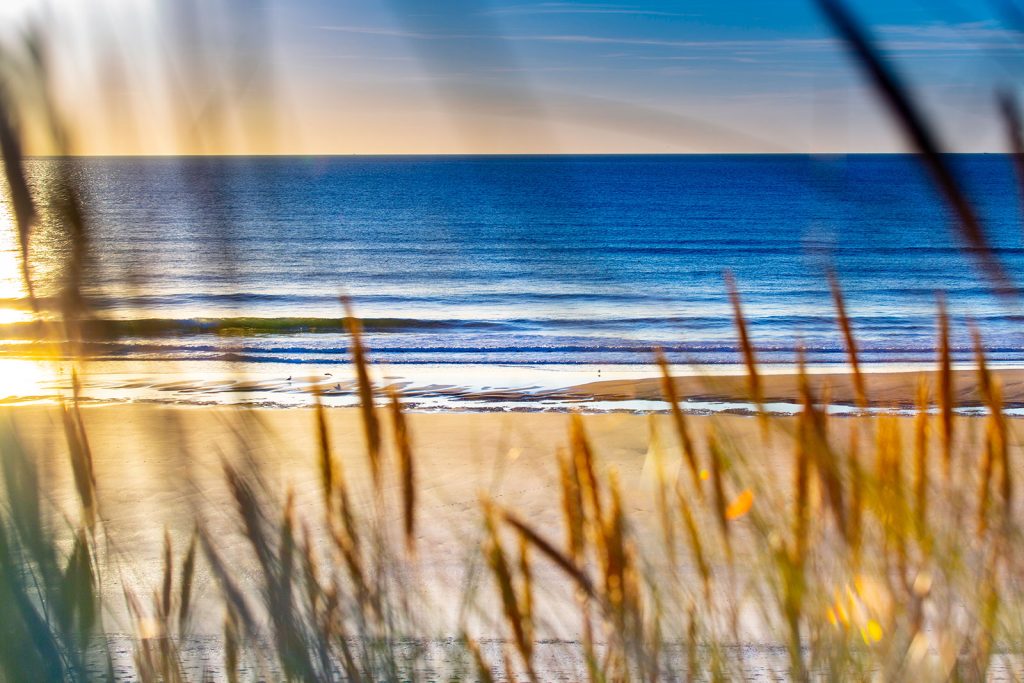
x: 572, y: 506
x: 232, y: 646
x: 718, y: 489
x: 483, y: 670
x: 233, y: 595
x: 371, y: 427
x: 856, y: 494
x: 668, y: 389
x: 921, y: 456
x: 1003, y: 453
x: 506, y: 658
x: 615, y: 556
x: 850, y: 341
x: 327, y: 474
x: 996, y: 455
x: 188, y: 568
x: 583, y: 457
x: 165, y: 595
x: 801, y: 493
x: 81, y: 461
x: 946, y: 401
x: 691, y: 645
x: 17, y: 185
x: 993, y: 432
x: 526, y: 589
x: 984, y: 376
x: 985, y: 479
x: 406, y: 471
x: 661, y: 484
x: 749, y: 355
x: 252, y: 516
x: 502, y: 572
x: 816, y: 446
x: 548, y: 549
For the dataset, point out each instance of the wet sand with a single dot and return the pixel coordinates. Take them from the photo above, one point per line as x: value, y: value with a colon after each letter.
x: 884, y: 389
x: 425, y: 388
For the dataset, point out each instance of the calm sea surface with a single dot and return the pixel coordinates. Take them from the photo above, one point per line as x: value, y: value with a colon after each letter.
x: 528, y: 261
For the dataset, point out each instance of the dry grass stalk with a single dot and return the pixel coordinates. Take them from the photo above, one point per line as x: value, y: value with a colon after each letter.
x: 406, y: 471
x: 188, y: 568
x: 921, y: 456
x: 813, y: 432
x: 21, y: 197
x: 914, y: 124
x: 850, y: 341
x: 749, y: 355
x: 946, y: 399
x: 511, y: 599
x: 567, y: 564
x: 586, y: 474
x: 371, y: 427
x: 232, y: 646
x: 665, y: 514
x: 572, y: 506
x: 719, y: 502
x: 679, y: 421
x: 483, y: 670
x: 326, y: 458
x: 81, y: 459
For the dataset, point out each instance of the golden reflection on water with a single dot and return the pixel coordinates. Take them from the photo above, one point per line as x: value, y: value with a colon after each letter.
x: 26, y: 379
x: 18, y: 378
x: 13, y: 315
x: 49, y: 242
x: 12, y: 285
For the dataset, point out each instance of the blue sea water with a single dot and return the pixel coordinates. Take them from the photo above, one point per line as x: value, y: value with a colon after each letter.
x: 533, y: 261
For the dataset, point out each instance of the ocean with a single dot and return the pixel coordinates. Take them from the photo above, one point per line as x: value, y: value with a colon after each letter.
x: 508, y: 275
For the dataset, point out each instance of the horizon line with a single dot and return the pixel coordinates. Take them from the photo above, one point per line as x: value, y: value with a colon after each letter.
x: 378, y: 155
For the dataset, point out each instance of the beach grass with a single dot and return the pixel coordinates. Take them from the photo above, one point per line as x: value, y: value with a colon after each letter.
x: 883, y: 549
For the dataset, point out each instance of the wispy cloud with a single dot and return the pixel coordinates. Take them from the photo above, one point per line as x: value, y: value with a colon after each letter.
x: 582, y: 38
x: 575, y: 8
x: 975, y: 30
x: 945, y: 38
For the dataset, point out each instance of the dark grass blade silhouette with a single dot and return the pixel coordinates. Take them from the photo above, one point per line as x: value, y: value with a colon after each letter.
x: 21, y: 196
x: 920, y: 135
x: 1009, y: 109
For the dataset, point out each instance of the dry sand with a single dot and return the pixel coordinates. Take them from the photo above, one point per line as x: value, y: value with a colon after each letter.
x: 161, y: 466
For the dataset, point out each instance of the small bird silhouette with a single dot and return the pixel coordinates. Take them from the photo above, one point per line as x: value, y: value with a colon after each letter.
x: 289, y: 378
x: 338, y: 387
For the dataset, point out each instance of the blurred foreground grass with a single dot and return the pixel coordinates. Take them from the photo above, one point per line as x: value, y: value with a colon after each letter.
x: 868, y: 547
x: 883, y: 548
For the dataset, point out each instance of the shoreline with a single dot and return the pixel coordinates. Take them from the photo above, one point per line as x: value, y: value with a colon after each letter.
x: 513, y: 389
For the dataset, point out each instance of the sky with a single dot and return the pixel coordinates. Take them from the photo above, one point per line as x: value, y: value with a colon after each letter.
x: 508, y: 76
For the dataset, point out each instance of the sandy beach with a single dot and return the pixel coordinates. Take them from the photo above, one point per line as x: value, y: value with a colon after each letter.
x: 160, y: 466
x: 884, y: 389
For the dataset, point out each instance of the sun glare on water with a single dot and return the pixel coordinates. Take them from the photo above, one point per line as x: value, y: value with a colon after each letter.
x: 18, y: 378
x: 25, y: 379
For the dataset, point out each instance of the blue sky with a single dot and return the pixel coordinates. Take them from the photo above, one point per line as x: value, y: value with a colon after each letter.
x: 466, y: 76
